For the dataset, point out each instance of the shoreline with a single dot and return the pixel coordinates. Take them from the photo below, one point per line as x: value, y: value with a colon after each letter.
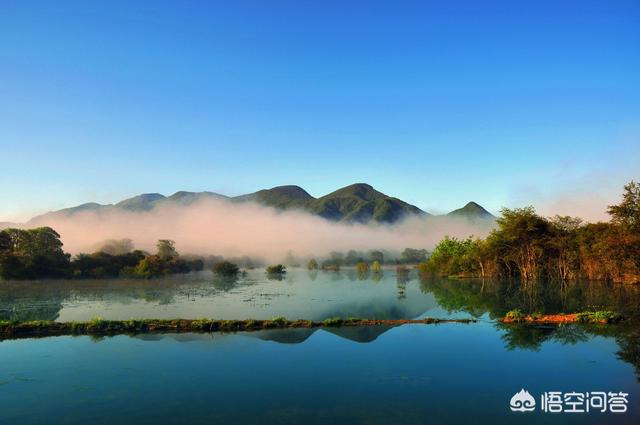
x: 100, y: 327
x: 594, y: 317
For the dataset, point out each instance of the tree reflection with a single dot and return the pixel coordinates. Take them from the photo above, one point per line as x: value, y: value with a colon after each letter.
x: 224, y: 283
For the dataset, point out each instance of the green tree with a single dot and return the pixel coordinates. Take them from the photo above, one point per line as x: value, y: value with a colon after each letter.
x: 32, y: 253
x: 166, y: 249
x: 627, y: 213
x: 520, y: 240
x: 376, y: 267
x: 413, y: 256
x: 312, y: 265
x: 226, y: 268
x: 376, y: 255
x: 564, y: 252
x: 276, y: 269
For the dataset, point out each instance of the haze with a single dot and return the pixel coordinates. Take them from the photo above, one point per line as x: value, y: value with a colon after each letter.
x: 230, y: 229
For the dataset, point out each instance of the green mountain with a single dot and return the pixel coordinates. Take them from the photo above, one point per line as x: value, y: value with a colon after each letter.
x: 361, y: 203
x: 281, y: 197
x: 472, y: 211
x: 357, y: 203
x: 144, y: 202
x: 187, y: 198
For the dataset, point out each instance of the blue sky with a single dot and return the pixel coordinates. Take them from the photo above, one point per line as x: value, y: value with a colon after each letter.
x: 435, y: 102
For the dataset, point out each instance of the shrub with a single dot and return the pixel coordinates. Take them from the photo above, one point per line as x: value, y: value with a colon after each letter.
x: 312, y: 265
x: 376, y: 267
x: 276, y: 269
x: 332, y: 321
x: 515, y: 315
x: 362, y: 267
x: 225, y: 268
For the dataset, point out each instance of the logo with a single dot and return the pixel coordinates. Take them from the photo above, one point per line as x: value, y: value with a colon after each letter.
x: 571, y: 402
x: 522, y: 402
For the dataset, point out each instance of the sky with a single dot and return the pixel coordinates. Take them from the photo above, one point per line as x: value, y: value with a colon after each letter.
x: 435, y: 102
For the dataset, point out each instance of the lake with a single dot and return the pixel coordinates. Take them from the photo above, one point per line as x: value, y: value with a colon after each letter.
x: 444, y: 374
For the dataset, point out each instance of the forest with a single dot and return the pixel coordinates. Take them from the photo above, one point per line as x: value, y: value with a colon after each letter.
x: 528, y: 246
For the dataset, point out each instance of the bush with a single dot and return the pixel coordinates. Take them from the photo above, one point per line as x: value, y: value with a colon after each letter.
x: 362, y: 267
x: 332, y: 321
x: 225, y: 268
x: 376, y: 267
x: 312, y: 265
x: 515, y: 316
x: 276, y: 269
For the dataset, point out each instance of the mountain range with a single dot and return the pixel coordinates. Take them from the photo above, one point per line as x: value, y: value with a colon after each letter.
x: 356, y: 203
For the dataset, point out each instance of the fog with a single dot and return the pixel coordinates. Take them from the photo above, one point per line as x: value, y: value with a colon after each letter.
x: 221, y: 227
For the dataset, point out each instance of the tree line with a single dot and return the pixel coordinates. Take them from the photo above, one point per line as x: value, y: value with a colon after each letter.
x: 37, y: 253
x: 528, y: 246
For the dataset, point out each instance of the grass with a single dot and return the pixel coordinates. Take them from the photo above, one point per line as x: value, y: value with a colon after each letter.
x: 98, y: 326
x: 332, y: 322
x: 603, y: 316
x: 514, y: 316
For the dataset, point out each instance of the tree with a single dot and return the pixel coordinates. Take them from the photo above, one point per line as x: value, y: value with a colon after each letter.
x: 362, y: 267
x: 413, y: 256
x: 627, y: 213
x: 376, y: 256
x: 564, y: 258
x: 313, y: 264
x: 352, y: 258
x: 166, y: 249
x: 276, y: 269
x: 376, y: 267
x: 33, y: 253
x: 116, y: 246
x: 226, y: 268
x: 520, y: 239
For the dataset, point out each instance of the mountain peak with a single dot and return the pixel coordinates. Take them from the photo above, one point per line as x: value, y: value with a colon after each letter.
x: 473, y: 211
x: 359, y: 190
x: 143, y: 202
x: 291, y: 191
x: 280, y: 197
x: 361, y: 203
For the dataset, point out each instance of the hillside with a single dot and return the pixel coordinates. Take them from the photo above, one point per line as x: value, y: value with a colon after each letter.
x: 361, y: 203
x: 356, y: 203
x: 472, y: 211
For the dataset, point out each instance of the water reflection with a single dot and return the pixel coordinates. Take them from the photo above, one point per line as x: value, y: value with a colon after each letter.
x: 297, y: 294
x: 317, y: 295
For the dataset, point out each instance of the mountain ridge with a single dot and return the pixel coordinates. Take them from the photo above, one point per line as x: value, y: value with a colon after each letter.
x: 355, y: 203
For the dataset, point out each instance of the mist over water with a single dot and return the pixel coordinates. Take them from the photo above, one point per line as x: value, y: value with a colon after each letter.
x: 224, y: 228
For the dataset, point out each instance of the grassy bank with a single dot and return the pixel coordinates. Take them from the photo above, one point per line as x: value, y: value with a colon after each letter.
x: 97, y: 326
x: 515, y: 316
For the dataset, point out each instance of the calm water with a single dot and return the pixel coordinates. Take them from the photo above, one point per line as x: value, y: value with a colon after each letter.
x: 451, y: 373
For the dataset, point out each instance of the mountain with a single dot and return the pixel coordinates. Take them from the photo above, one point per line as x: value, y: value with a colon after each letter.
x: 472, y: 211
x: 281, y: 197
x: 187, y: 198
x: 362, y: 203
x: 357, y: 203
x: 144, y: 202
